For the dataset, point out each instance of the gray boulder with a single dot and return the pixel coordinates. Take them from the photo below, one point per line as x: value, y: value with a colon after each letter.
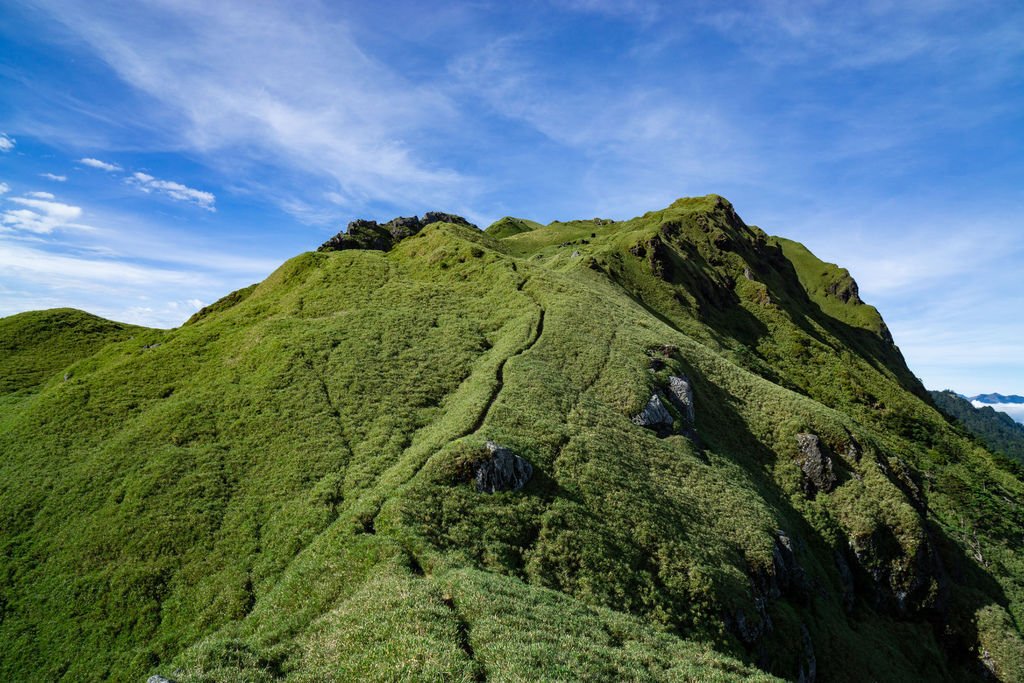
x: 682, y: 395
x: 503, y: 471
x: 159, y: 679
x: 655, y: 416
x: 816, y: 465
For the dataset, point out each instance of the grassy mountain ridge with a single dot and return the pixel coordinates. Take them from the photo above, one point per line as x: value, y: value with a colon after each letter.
x: 278, y: 489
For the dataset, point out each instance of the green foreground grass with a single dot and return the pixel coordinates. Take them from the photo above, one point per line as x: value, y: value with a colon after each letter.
x: 277, y: 490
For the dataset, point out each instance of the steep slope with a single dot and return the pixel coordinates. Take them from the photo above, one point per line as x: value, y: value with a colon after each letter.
x: 997, y: 431
x: 287, y: 485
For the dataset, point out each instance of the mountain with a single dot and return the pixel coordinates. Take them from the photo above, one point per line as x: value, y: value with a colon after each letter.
x: 668, y: 448
x: 997, y: 398
x: 996, y: 430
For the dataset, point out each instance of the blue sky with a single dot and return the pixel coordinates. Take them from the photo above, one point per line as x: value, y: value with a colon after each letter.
x: 156, y: 155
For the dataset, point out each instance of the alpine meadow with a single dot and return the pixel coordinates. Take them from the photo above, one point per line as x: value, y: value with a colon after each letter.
x: 559, y: 341
x: 667, y: 448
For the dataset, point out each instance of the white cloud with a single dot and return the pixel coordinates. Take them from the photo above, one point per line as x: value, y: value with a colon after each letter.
x: 41, y: 215
x: 96, y: 163
x: 246, y: 85
x: 128, y: 269
x: 42, y: 266
x: 6, y: 143
x: 148, y: 183
x: 54, y: 177
x: 4, y: 188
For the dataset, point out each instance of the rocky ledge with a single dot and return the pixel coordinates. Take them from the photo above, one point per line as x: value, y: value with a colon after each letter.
x: 364, y: 234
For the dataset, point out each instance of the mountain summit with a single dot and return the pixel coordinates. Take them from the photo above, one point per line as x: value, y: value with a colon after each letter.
x: 668, y: 448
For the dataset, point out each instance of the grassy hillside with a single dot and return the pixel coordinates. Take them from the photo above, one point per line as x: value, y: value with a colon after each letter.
x: 35, y: 345
x: 282, y: 487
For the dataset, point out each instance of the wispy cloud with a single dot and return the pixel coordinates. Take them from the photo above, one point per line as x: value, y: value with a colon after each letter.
x: 169, y: 188
x: 54, y: 177
x: 4, y: 188
x: 101, y: 165
x: 41, y: 214
x: 282, y: 87
x: 127, y: 269
x: 6, y: 143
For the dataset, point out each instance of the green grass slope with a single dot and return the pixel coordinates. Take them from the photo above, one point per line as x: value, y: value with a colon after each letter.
x: 280, y: 489
x: 34, y: 346
x: 508, y: 226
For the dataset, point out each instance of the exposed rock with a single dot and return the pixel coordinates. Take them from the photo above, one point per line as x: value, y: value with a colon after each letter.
x: 902, y: 585
x: 402, y: 227
x: 809, y: 665
x: 654, y: 416
x: 576, y: 254
x: 845, y: 290
x: 790, y: 577
x: 503, y: 471
x: 904, y: 478
x: 751, y: 630
x: 658, y: 256
x: 364, y: 234
x: 441, y: 217
x: 785, y: 577
x: 159, y: 679
x: 748, y: 273
x: 360, y: 234
x: 845, y: 580
x: 885, y: 334
x: 681, y: 394
x: 816, y: 465
x: 852, y: 452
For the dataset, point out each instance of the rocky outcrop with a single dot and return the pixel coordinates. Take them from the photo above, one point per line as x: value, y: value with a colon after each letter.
x: 789, y: 577
x: 681, y: 394
x: 655, y: 417
x: 364, y: 234
x: 816, y: 464
x: 846, y: 584
x: 159, y: 679
x: 751, y: 629
x: 658, y: 256
x: 502, y: 471
x: 845, y: 290
x: 901, y: 583
x: 808, y: 672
